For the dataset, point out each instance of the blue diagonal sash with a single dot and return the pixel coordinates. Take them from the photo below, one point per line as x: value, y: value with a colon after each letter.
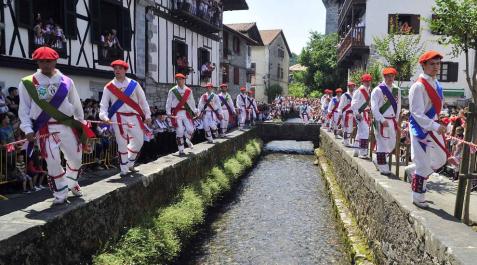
x: 56, y: 101
x: 119, y: 103
x: 390, y: 96
x: 416, y: 129
x: 224, y: 102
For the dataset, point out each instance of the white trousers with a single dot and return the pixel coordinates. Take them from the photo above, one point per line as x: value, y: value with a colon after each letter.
x: 224, y: 123
x: 130, y: 142
x: 385, y: 143
x: 242, y: 117
x: 427, y: 155
x: 210, y: 124
x: 66, y: 142
x: 185, y: 127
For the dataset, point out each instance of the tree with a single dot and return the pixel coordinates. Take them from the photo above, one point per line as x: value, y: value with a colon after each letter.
x: 296, y: 89
x: 293, y: 59
x: 320, y: 58
x: 401, y: 49
x: 273, y: 91
x: 456, y: 20
x: 374, y: 68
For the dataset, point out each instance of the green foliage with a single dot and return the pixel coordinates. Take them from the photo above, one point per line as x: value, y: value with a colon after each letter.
x: 293, y: 59
x: 374, y: 68
x: 296, y: 89
x: 315, y: 94
x: 320, y: 58
x: 159, y: 240
x: 273, y: 91
x: 401, y: 50
x: 456, y: 20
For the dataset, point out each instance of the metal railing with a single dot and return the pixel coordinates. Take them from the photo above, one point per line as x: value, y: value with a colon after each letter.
x: 104, y: 153
x: 354, y: 38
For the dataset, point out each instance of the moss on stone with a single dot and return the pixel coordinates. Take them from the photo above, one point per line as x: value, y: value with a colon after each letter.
x: 161, y: 237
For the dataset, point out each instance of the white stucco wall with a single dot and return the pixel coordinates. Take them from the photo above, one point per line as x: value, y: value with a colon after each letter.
x: 377, y: 13
x: 260, y: 58
x: 87, y: 86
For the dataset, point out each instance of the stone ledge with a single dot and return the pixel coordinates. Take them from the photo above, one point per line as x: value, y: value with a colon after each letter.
x: 399, y: 232
x: 71, y: 234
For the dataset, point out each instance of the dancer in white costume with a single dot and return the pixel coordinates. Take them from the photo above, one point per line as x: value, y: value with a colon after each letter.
x: 211, y: 113
x: 333, y: 114
x: 124, y: 103
x: 385, y: 106
x: 360, y: 108
x: 428, y: 151
x: 228, y: 109
x: 347, y: 117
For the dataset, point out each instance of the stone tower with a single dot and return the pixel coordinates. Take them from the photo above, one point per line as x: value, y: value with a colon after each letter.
x: 332, y: 15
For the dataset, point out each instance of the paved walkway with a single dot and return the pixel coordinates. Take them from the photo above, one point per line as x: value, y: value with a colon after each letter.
x: 441, y: 193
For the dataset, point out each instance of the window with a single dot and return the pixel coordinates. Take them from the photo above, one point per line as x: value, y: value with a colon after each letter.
x: 281, y: 53
x: 249, y: 51
x: 110, y: 30
x: 236, y: 45
x: 404, y: 23
x: 226, y: 44
x: 449, y: 72
x: 278, y: 71
x: 225, y: 73
x: 206, y: 67
x: 236, y: 76
x: 180, y: 57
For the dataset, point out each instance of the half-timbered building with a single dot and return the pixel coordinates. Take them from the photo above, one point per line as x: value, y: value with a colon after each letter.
x: 87, y: 34
x: 184, y: 36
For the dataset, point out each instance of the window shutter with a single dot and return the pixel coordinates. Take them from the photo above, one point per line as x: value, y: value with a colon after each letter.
x: 94, y: 13
x: 236, y: 75
x: 70, y: 18
x: 127, y: 29
x: 415, y: 23
x: 238, y: 45
x: 392, y: 22
x: 24, y: 13
x: 453, y: 72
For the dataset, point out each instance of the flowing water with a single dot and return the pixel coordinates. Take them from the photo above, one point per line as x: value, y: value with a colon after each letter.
x: 281, y: 214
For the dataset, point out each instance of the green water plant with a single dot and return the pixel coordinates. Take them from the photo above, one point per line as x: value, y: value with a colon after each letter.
x: 162, y: 236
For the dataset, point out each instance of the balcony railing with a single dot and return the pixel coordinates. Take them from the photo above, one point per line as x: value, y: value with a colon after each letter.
x: 56, y: 43
x: 346, y: 7
x: 354, y: 38
x: 210, y: 22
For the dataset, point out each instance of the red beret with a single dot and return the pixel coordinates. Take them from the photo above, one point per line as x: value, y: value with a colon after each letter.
x: 179, y: 75
x: 120, y: 63
x: 45, y: 53
x: 429, y: 55
x: 209, y: 85
x: 328, y: 91
x: 243, y: 89
x: 445, y: 120
x: 351, y: 84
x: 339, y: 90
x: 366, y: 78
x: 224, y: 85
x: 389, y: 71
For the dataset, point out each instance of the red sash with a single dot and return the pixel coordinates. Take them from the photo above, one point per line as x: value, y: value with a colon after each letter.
x: 365, y: 94
x: 433, y: 96
x: 127, y: 100
x: 181, y: 106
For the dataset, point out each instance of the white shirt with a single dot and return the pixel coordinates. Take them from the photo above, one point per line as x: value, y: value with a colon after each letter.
x: 137, y: 96
x: 358, y: 99
x: 214, y: 103
x: 172, y: 100
x: 241, y: 101
x: 344, y: 100
x: 228, y: 100
x: 377, y: 101
x: 29, y: 110
x: 420, y: 103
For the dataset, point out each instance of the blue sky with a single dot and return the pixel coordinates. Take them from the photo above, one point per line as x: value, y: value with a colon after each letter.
x: 297, y: 18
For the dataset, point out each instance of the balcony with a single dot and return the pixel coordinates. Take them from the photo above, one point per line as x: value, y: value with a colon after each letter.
x: 350, y: 11
x: 201, y: 20
x: 352, y: 45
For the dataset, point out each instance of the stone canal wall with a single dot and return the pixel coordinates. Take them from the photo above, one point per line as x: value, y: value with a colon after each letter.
x: 397, y: 231
x: 289, y: 131
x: 71, y: 234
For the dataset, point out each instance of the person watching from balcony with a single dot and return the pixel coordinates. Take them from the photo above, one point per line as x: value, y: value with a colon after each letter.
x: 115, y: 46
x: 38, y: 38
x: 60, y: 38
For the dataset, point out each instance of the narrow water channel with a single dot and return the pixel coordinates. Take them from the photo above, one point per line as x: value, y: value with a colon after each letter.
x: 281, y: 215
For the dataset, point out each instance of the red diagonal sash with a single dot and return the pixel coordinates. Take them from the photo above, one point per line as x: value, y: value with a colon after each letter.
x: 127, y: 100
x: 365, y: 94
x: 433, y: 96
